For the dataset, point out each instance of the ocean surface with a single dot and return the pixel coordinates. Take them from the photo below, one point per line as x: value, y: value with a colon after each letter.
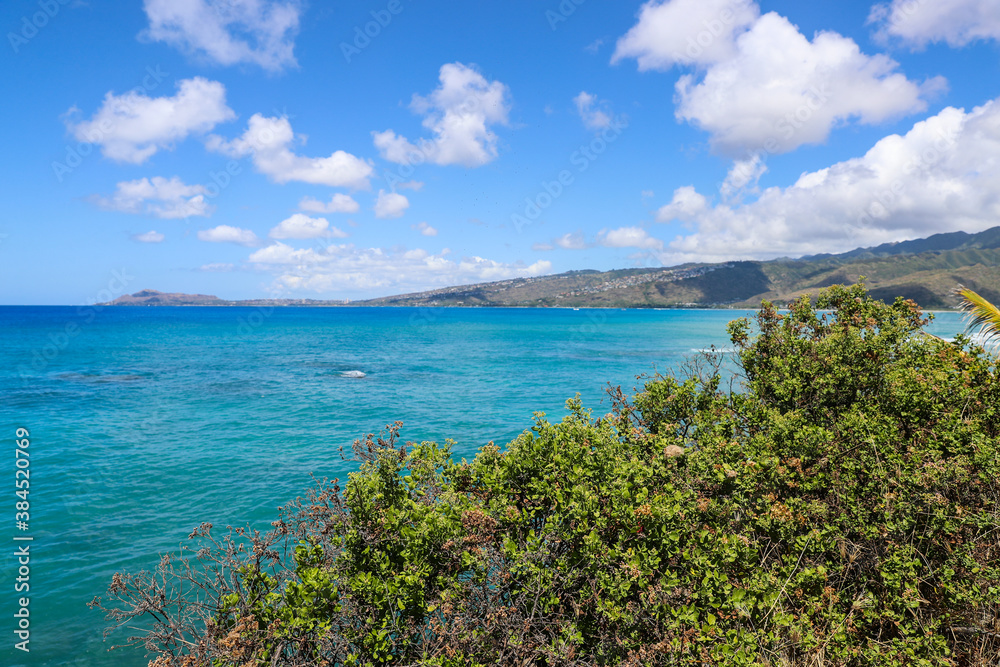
x: 145, y: 422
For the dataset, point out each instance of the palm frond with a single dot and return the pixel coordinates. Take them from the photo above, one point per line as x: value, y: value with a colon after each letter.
x: 980, y: 315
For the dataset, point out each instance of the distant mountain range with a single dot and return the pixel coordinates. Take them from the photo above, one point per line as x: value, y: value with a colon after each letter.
x: 925, y: 270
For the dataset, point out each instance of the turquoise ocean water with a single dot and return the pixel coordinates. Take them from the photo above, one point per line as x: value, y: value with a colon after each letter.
x: 146, y: 422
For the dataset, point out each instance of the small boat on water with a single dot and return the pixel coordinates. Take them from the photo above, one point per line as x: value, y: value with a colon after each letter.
x: 352, y: 374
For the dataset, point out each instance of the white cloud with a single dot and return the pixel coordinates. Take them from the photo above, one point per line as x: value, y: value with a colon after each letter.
x: 398, y: 149
x: 158, y: 197
x: 542, y: 247
x: 571, y: 241
x: 593, y: 119
x: 425, y: 229
x: 339, y: 203
x: 390, y: 205
x: 686, y: 204
x: 811, y: 86
x: 132, y: 127
x: 941, y: 176
x: 301, y: 226
x: 228, y: 32
x: 269, y: 140
x: 149, y: 237
x: 217, y: 267
x: 628, y: 237
x: 281, y: 253
x: 459, y: 113
x: 955, y: 22
x: 743, y: 176
x: 227, y: 234
x: 338, y: 268
x: 685, y: 32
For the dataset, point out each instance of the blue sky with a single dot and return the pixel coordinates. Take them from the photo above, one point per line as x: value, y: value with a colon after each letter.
x: 250, y: 148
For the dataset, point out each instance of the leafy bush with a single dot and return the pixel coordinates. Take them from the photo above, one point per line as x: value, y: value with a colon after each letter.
x: 840, y: 509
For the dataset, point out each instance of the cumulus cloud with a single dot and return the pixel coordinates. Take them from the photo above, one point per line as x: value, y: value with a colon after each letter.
x: 228, y: 32
x: 743, y: 176
x: 459, y: 113
x: 685, y: 32
x: 390, y: 205
x: 941, y: 176
x: 955, y: 22
x: 425, y: 229
x: 629, y: 237
x: 281, y: 253
x: 338, y: 268
x: 269, y: 141
x: 686, y: 205
x: 217, y: 267
x: 571, y: 241
x: 339, y: 203
x: 132, y: 127
x: 159, y: 197
x: 811, y: 86
x: 149, y: 237
x: 301, y: 226
x: 227, y: 234
x: 593, y: 118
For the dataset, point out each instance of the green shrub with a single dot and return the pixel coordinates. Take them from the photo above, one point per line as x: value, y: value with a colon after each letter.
x: 840, y: 509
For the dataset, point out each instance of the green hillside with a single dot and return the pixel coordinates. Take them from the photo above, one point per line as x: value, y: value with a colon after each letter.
x: 925, y: 270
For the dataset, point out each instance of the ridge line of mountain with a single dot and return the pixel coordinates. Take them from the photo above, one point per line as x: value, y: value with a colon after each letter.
x: 925, y: 270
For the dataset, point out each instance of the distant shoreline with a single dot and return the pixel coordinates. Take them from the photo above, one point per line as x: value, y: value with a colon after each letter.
x: 415, y: 307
